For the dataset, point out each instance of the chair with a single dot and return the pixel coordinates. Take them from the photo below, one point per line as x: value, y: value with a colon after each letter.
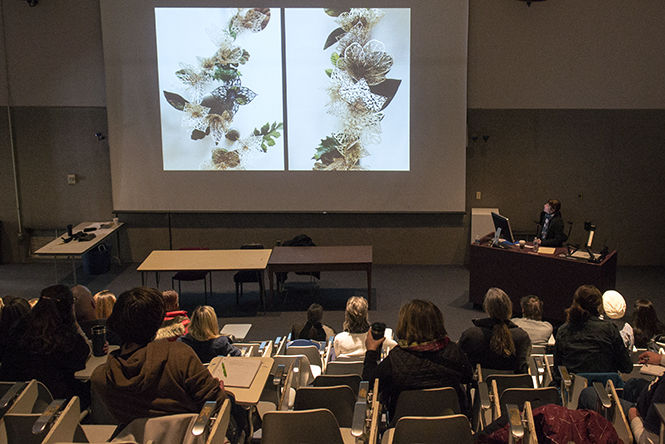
x: 535, y: 396
x: 340, y: 400
x: 304, y: 427
x: 430, y: 430
x: 313, y: 354
x: 193, y: 275
x: 426, y: 402
x: 301, y: 367
x: 521, y: 426
x: 610, y: 407
x: 352, y: 381
x: 345, y: 368
x: 57, y: 423
x: 248, y: 276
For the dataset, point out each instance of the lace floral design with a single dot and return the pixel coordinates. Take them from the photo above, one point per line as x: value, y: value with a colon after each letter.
x: 215, y: 94
x: 359, y: 89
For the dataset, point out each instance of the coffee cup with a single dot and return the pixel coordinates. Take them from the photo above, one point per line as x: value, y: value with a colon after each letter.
x: 378, y: 330
x: 98, y: 340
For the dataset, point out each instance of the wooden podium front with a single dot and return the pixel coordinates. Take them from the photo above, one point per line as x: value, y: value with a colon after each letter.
x: 521, y: 272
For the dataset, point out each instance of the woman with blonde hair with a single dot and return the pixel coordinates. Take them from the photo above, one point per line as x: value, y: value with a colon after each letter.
x: 350, y: 344
x: 496, y: 342
x: 104, y: 302
x: 204, y: 336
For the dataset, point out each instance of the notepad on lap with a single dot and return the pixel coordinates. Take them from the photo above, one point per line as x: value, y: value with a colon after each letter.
x: 240, y: 372
x: 653, y: 370
x: 546, y: 250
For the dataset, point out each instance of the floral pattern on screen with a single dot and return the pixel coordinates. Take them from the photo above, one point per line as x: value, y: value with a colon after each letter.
x: 359, y: 89
x: 213, y: 94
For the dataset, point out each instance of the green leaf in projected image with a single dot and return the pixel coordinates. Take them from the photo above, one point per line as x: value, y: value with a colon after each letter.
x: 333, y: 37
x: 388, y: 88
x: 225, y: 74
x: 175, y: 100
x: 265, y: 128
x: 335, y: 12
x: 327, y: 146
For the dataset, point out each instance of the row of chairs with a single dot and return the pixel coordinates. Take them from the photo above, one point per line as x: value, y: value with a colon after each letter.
x: 29, y: 415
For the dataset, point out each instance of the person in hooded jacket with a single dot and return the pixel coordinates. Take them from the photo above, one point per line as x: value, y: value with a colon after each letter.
x: 147, y: 378
x: 425, y: 357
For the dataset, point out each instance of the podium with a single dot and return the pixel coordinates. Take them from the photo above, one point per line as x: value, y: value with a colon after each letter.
x: 521, y: 272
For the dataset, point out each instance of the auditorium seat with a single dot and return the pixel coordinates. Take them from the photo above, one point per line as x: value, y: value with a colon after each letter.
x: 340, y: 400
x: 430, y: 430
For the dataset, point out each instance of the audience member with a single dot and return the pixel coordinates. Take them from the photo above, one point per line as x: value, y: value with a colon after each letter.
x: 84, y: 309
x: 614, y: 309
x: 496, y: 342
x: 646, y: 324
x: 175, y: 321
x: 204, y: 336
x: 587, y: 344
x: 313, y: 328
x: 350, y: 344
x: 104, y: 302
x: 539, y: 331
x: 424, y: 358
x: 13, y: 311
x: 47, y: 345
x: 147, y: 377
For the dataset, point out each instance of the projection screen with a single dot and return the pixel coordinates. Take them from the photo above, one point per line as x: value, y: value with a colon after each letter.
x: 286, y: 107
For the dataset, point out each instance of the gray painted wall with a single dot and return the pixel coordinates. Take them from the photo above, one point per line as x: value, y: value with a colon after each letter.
x: 568, y: 92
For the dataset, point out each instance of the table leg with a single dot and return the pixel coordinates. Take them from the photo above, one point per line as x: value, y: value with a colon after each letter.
x: 74, y: 270
x: 157, y: 279
x: 271, y: 279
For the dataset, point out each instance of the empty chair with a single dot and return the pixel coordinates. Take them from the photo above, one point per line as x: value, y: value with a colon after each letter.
x: 352, y: 381
x: 535, y: 396
x: 193, y: 275
x: 57, y: 423
x: 440, y: 401
x: 344, y: 368
x: 313, y: 355
x: 429, y: 430
x: 249, y: 276
x: 304, y: 427
x: 340, y: 400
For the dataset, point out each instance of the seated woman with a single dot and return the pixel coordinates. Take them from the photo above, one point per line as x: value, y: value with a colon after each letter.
x: 587, y: 344
x: 314, y: 328
x: 496, y: 342
x: 176, y: 321
x: 104, y: 302
x: 204, y: 336
x: 13, y: 311
x: 47, y: 345
x: 424, y: 358
x: 349, y: 345
x: 646, y: 324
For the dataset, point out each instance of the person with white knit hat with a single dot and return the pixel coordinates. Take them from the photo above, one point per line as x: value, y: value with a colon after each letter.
x: 614, y: 308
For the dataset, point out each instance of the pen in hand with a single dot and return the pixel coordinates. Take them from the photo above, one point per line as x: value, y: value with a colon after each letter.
x: 224, y: 369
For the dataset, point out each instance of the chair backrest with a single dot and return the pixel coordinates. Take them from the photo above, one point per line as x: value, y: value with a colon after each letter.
x: 352, y: 381
x: 302, y: 427
x: 427, y: 402
x: 535, y: 396
x: 18, y: 427
x: 504, y: 382
x: 340, y: 400
x: 345, y: 368
x: 301, y: 362
x: 312, y: 352
x: 432, y: 430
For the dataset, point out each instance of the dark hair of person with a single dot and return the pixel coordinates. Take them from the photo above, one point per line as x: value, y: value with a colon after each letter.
x: 646, y: 324
x: 532, y: 307
x: 171, y: 300
x: 50, y: 325
x: 554, y: 204
x: 15, y: 310
x: 137, y: 315
x: 420, y: 321
x: 587, y: 301
x: 313, y: 329
x: 498, y: 306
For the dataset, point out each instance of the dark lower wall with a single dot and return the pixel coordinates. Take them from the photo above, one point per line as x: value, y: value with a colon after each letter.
x: 604, y: 165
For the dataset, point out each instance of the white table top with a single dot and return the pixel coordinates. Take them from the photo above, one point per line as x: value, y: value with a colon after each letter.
x: 177, y: 260
x: 58, y: 247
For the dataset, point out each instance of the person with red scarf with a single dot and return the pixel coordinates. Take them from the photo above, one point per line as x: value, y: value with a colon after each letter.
x: 424, y: 358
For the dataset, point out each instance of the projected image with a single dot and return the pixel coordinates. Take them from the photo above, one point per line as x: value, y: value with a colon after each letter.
x: 348, y: 88
x: 220, y: 81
